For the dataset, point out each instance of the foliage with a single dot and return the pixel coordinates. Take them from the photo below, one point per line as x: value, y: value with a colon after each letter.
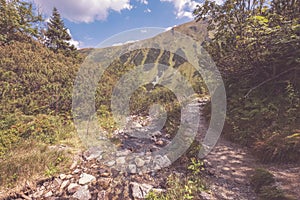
x: 57, y: 36
x: 31, y: 160
x: 263, y: 183
x: 34, y: 80
x: 35, y: 97
x: 17, y: 21
x: 256, y: 46
x: 185, y: 188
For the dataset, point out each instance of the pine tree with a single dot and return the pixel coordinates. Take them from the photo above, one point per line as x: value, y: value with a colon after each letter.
x: 57, y: 36
x: 17, y: 21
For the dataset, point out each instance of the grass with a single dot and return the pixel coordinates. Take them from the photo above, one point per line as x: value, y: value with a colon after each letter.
x: 188, y: 187
x: 32, y: 158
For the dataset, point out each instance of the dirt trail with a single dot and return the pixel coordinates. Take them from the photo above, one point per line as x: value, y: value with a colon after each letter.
x: 230, y: 167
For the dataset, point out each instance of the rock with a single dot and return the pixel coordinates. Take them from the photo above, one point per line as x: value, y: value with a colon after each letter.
x: 121, y: 160
x: 38, y: 194
x: 83, y: 193
x: 105, y: 174
x: 86, y: 178
x: 136, y: 125
x: 76, y: 171
x: 56, y: 183
x: 48, y: 194
x: 123, y: 153
x: 140, y: 191
x: 159, y: 142
x: 64, y: 184
x: 93, y: 153
x: 69, y: 176
x: 62, y: 176
x: 162, y: 161
x: 73, y: 187
x: 139, y: 162
x: 132, y: 169
x: 74, y: 164
x: 110, y: 163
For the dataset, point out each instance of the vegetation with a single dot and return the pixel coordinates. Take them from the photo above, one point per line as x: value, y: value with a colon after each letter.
x: 187, y: 187
x: 256, y: 47
x: 263, y: 183
x: 36, y: 87
x: 57, y: 36
x: 17, y: 21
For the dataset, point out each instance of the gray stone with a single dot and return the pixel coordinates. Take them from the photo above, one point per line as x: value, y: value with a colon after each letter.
x: 121, y: 160
x: 139, y: 162
x: 123, y: 153
x: 62, y: 176
x: 83, y: 193
x: 73, y: 187
x: 140, y: 191
x: 86, y: 178
x: 48, y: 194
x: 76, y: 171
x: 132, y: 169
x: 64, y: 184
x: 110, y: 163
x: 162, y: 161
x: 93, y: 153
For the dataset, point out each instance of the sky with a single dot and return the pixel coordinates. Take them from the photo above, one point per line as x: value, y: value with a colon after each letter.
x: 90, y: 22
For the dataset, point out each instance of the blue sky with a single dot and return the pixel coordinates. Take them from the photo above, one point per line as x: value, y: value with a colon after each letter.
x: 92, y: 21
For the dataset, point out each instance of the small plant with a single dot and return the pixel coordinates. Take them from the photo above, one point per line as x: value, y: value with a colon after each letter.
x: 196, y: 166
x: 51, y: 170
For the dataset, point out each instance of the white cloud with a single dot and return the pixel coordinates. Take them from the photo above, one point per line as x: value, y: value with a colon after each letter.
x: 72, y: 41
x: 122, y: 43
x: 83, y: 10
x: 170, y: 28
x: 147, y: 10
x: 143, y: 2
x: 185, y: 8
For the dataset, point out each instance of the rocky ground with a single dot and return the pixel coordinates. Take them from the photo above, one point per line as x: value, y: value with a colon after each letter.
x: 125, y: 174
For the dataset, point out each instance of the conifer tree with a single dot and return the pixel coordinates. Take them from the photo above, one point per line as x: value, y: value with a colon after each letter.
x: 57, y: 36
x: 17, y: 21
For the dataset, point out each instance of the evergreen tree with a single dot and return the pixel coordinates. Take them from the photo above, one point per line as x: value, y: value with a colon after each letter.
x: 57, y: 36
x: 17, y: 21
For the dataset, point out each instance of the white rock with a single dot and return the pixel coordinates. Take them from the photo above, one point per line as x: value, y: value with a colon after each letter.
x: 64, y: 184
x: 76, y: 171
x: 83, y: 193
x: 48, y: 194
x: 121, y: 160
x: 123, y: 153
x: 140, y: 191
x: 110, y: 163
x: 86, y: 178
x: 62, y: 176
x: 132, y: 169
x: 73, y: 187
x: 93, y: 153
x: 139, y: 162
